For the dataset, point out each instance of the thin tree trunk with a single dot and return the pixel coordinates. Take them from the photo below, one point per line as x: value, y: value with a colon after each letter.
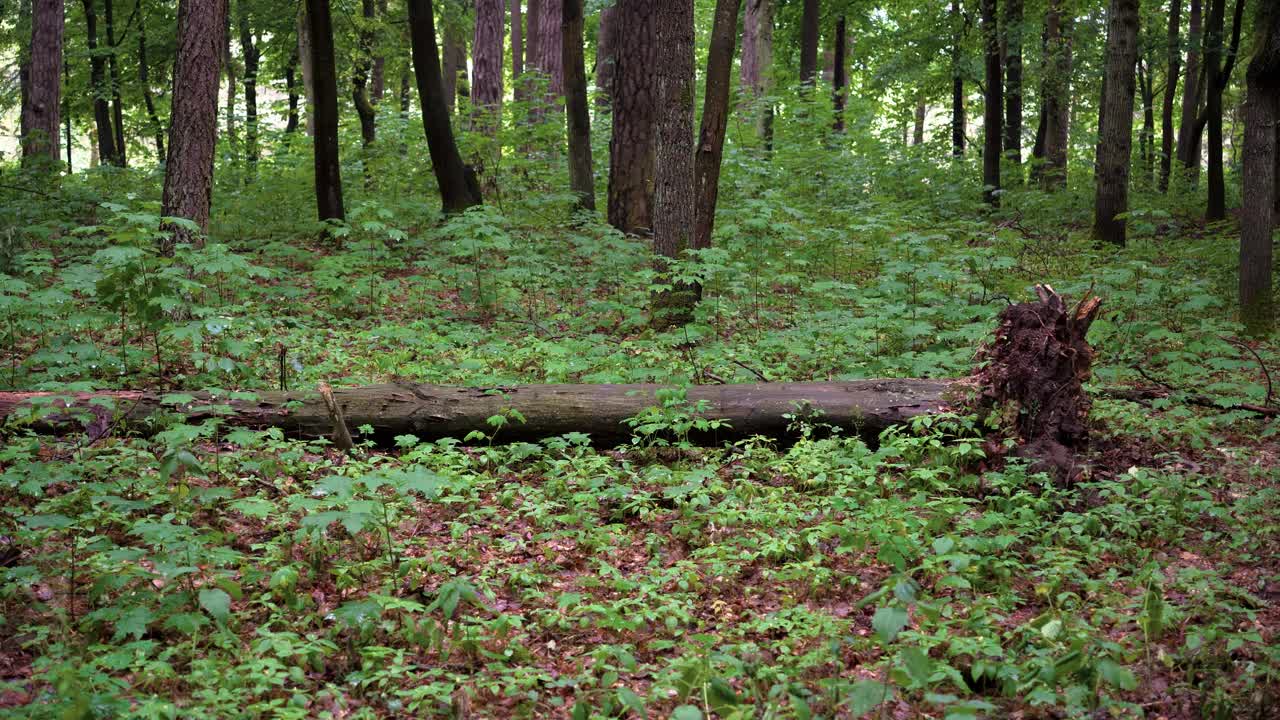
x: 308, y: 69
x: 757, y: 63
x: 810, y: 23
x: 606, y: 39
x: 405, y: 92
x: 251, y: 53
x: 1037, y: 148
x: 993, y: 106
x: 106, y: 135
x: 917, y: 135
x: 715, y: 119
x: 378, y: 80
x: 1147, y: 138
x: 839, y: 74
x: 1217, y: 78
x: 674, y: 199
x: 1115, y: 143
x: 328, y: 169
x: 517, y: 51
x: 1170, y: 90
x: 148, y: 97
x: 66, y: 103
x: 454, y: 60
x: 193, y: 126
x: 1013, y: 87
x: 24, y: 71
x: 229, y: 67
x: 958, y: 122
x: 1189, y: 148
x: 581, y: 170
x: 360, y: 82
x: 458, y: 191
x: 1057, y: 97
x: 532, y: 46
x: 1261, y: 160
x: 113, y: 75
x: 631, y: 146
x: 486, y: 57
x: 43, y: 100
x: 291, y: 89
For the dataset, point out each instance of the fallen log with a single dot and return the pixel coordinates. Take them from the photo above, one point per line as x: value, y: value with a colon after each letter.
x: 866, y: 407
x: 1033, y: 370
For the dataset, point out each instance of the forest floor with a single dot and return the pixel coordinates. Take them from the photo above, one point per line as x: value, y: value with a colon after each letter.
x: 217, y: 572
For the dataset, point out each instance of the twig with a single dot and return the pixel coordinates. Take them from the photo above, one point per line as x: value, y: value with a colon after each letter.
x: 1265, y: 372
x: 750, y: 369
x: 341, y: 435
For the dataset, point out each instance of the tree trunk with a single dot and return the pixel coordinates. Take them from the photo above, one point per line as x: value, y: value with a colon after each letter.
x: 193, y: 124
x: 992, y: 106
x: 1261, y: 157
x: 97, y: 82
x: 958, y: 121
x: 1188, y: 137
x: 405, y: 92
x: 291, y: 89
x: 360, y: 82
x: 308, y: 69
x: 674, y: 201
x: 113, y: 75
x: 148, y: 97
x: 486, y: 58
x: 757, y: 63
x: 1057, y: 97
x: 378, y: 78
x: 251, y: 53
x: 839, y: 74
x: 1147, y: 137
x: 328, y: 169
x: 917, y: 134
x: 454, y: 60
x: 1013, y: 86
x: 1115, y: 142
x: 66, y: 102
x: 43, y: 99
x: 1217, y: 78
x: 1037, y: 148
x: 532, y: 43
x: 810, y: 23
x: 581, y: 169
x: 715, y: 119
x: 458, y: 191
x: 550, y: 58
x: 606, y: 40
x: 631, y: 146
x: 1170, y: 90
x: 229, y: 67
x: 517, y: 51
x: 24, y: 70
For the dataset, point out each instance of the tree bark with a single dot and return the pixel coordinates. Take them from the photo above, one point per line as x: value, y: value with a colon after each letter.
x: 1217, y: 77
x: 550, y: 58
x: 1115, y: 142
x: 193, y: 126
x: 1261, y: 160
x: 1147, y: 137
x: 107, y: 152
x: 917, y: 132
x: 1013, y: 86
x: 431, y: 412
x: 1170, y: 90
x: 993, y: 102
x: 378, y: 77
x: 810, y: 23
x: 1057, y: 97
x: 252, y: 54
x: 328, y: 169
x: 457, y: 191
x: 308, y: 69
x: 454, y: 60
x: 291, y: 89
x: 229, y: 67
x: 757, y: 63
x: 632, y: 145
x: 606, y: 40
x: 42, y: 101
x: 958, y: 121
x: 517, y: 51
x: 1188, y: 137
x: 715, y: 119
x: 148, y: 97
x: 360, y: 80
x: 113, y: 76
x: 532, y: 46
x: 581, y: 169
x: 674, y: 201
x: 839, y: 74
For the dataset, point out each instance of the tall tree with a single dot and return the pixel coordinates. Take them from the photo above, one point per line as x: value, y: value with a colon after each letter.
x: 113, y: 76
x: 550, y: 58
x: 107, y: 151
x: 193, y: 127
x: 810, y: 23
x: 839, y: 74
x: 454, y: 59
x: 715, y: 118
x: 1013, y: 85
x: 250, y: 51
x: 1217, y: 76
x: 959, y: 24
x: 581, y: 170
x: 291, y: 90
x: 148, y: 95
x: 378, y: 76
x: 42, y: 101
x: 1115, y: 123
x: 1170, y: 90
x: 757, y: 62
x: 606, y: 39
x: 1147, y: 136
x: 517, y: 50
x: 360, y: 78
x: 1261, y: 161
x: 674, y: 203
x: 1188, y: 137
x: 486, y: 58
x: 992, y: 105
x: 631, y: 146
x: 532, y: 44
x: 1057, y: 96
x: 458, y: 190
x: 308, y: 69
x: 229, y: 67
x: 328, y: 169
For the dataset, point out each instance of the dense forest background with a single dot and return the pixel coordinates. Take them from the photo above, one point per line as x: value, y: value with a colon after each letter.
x: 206, y: 205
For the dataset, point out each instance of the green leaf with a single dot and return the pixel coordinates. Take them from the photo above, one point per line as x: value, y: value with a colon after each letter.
x: 133, y: 621
x: 888, y: 622
x: 631, y: 701
x: 217, y: 603
x: 1116, y: 676
x: 866, y: 696
x: 686, y: 712
x: 918, y: 665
